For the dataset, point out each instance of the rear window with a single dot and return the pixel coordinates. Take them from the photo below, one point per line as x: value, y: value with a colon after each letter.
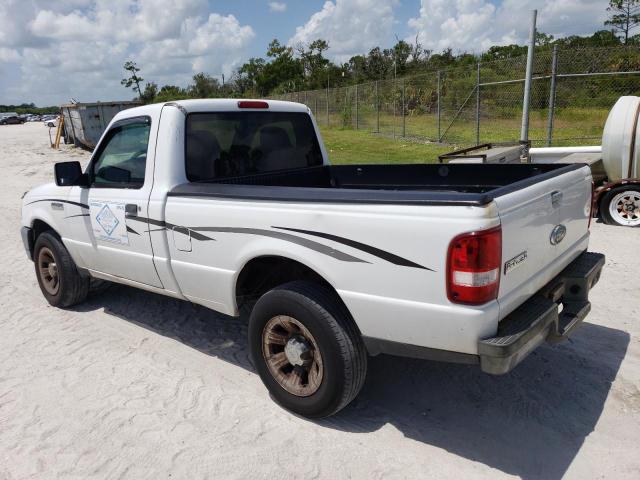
x: 229, y: 144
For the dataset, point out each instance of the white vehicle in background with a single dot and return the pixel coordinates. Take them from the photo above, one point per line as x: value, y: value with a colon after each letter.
x: 51, y: 121
x: 616, y: 164
x: 229, y: 203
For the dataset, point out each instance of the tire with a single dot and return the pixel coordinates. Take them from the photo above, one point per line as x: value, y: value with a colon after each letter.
x: 71, y: 287
x: 621, y: 206
x: 333, y: 345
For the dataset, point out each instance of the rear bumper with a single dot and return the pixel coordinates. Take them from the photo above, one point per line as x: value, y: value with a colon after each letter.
x: 539, y: 320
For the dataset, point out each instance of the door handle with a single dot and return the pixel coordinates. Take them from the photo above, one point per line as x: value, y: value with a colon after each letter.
x: 131, y: 210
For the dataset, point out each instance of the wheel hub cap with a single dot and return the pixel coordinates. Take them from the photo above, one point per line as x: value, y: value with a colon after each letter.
x: 298, y: 351
x: 48, y: 271
x: 625, y: 208
x: 292, y: 355
x: 53, y: 269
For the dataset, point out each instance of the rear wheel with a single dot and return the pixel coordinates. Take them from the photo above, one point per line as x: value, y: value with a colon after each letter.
x: 621, y: 206
x: 60, y: 282
x: 307, y: 349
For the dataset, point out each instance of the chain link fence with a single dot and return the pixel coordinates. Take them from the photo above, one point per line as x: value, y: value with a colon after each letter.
x: 571, y: 95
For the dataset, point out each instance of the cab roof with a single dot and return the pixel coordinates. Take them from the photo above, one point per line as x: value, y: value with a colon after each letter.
x: 215, y: 105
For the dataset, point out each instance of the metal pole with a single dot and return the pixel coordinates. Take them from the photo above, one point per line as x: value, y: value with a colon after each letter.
x: 552, y: 94
x: 478, y: 105
x: 327, y: 100
x: 357, y: 107
x: 395, y: 102
x: 404, y: 126
x: 524, y: 131
x: 438, y: 106
x: 377, y: 109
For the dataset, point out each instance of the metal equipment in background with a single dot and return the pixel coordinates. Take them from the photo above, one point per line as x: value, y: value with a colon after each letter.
x: 85, y: 122
x: 488, y: 153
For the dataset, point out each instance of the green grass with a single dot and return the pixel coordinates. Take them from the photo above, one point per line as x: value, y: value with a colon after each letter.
x: 572, y: 126
x: 358, y: 146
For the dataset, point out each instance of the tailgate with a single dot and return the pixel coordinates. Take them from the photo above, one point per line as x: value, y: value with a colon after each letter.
x: 544, y: 227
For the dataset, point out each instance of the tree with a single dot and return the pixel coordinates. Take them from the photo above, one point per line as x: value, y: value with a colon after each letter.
x: 133, y: 79
x: 171, y: 92
x: 204, y: 86
x: 314, y: 64
x: 625, y: 16
x: 150, y: 93
x: 542, y: 39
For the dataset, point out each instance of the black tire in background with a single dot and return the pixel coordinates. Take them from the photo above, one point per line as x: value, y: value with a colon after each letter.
x: 623, y: 195
x: 72, y: 287
x: 343, y: 354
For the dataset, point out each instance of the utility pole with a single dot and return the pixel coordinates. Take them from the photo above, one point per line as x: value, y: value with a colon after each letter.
x: 524, y: 131
x: 552, y: 94
x: 478, y: 105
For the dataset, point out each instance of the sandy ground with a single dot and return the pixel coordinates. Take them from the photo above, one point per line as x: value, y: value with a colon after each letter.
x: 135, y: 385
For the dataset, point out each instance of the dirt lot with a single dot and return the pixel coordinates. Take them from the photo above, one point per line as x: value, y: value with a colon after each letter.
x: 135, y: 385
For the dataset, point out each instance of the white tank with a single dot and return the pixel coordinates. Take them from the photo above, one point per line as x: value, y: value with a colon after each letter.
x: 621, y: 140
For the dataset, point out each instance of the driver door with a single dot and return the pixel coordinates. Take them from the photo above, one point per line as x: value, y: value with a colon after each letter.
x: 118, y: 195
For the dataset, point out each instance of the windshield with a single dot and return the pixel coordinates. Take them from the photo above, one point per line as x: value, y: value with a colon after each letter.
x: 228, y: 144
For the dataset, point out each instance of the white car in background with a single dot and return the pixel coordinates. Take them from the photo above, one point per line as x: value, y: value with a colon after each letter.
x: 51, y: 121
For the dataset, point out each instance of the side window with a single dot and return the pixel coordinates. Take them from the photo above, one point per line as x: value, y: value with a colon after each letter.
x: 122, y: 158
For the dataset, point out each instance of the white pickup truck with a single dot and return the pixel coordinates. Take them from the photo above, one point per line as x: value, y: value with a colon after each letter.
x: 227, y: 203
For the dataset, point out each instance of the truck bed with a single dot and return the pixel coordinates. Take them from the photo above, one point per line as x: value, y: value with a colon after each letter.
x: 428, y: 184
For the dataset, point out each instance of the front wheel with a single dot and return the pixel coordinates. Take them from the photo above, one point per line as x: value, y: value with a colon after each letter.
x: 307, y: 349
x: 60, y: 282
x: 621, y: 206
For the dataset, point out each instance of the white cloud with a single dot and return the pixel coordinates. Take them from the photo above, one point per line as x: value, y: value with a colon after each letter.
x: 277, y: 6
x: 475, y: 25
x: 76, y: 48
x: 351, y: 27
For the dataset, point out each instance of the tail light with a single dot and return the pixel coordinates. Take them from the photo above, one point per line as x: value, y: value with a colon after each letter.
x: 252, y: 104
x: 473, y: 266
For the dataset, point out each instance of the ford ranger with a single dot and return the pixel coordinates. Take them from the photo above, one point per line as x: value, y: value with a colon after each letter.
x: 232, y: 204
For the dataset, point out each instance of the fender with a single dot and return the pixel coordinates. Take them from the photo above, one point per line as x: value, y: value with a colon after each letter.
x: 272, y: 252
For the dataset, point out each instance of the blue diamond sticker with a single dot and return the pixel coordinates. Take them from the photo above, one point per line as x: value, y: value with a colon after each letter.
x: 107, y: 220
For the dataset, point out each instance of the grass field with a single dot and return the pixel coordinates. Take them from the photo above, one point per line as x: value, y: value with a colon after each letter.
x: 351, y: 146
x: 572, y: 126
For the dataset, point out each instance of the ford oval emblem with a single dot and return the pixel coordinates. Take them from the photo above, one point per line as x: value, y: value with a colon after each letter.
x: 557, y: 234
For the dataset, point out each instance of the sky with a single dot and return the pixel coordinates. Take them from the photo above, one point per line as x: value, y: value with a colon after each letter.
x: 54, y: 50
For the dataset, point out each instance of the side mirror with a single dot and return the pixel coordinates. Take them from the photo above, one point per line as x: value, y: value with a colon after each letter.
x: 69, y: 174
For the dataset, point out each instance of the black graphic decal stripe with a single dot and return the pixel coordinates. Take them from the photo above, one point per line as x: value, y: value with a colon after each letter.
x: 305, y: 242
x: 389, y: 257
x: 131, y: 230
x: 79, y: 215
x: 81, y: 205
x: 318, y: 247
x: 164, y: 225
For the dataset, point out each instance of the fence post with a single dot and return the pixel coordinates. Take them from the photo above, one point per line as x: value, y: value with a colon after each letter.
x: 524, y: 131
x: 438, y: 105
x: 327, y: 103
x: 357, y: 107
x: 478, y: 105
x: 377, y: 109
x: 395, y: 105
x: 552, y: 94
x: 404, y: 126
x: 315, y: 104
